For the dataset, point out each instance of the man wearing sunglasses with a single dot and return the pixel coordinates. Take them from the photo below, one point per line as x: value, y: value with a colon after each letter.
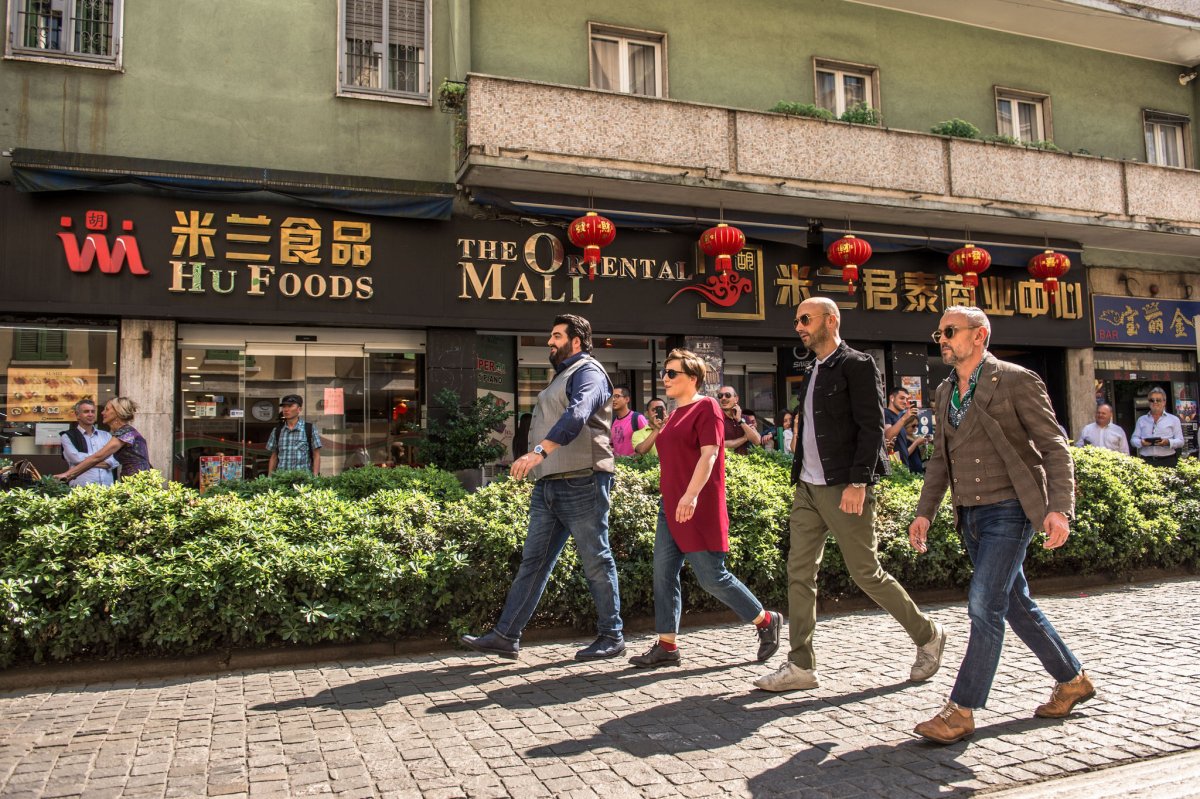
x: 572, y: 464
x: 740, y: 432
x: 1158, y: 435
x: 998, y: 448
x: 839, y: 456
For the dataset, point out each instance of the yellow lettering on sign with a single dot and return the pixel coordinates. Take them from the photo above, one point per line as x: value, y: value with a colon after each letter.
x: 1032, y: 300
x: 471, y: 280
x: 921, y: 292
x: 350, y: 244
x: 994, y: 296
x: 879, y: 290
x: 300, y: 241
x: 193, y: 233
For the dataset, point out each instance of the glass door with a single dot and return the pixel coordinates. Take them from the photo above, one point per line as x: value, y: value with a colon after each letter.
x: 212, y: 423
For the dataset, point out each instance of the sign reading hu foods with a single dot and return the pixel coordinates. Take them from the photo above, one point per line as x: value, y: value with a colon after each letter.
x: 116, y: 255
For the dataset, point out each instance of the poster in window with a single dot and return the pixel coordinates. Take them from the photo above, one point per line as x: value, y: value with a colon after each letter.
x: 912, y: 384
x: 48, y: 394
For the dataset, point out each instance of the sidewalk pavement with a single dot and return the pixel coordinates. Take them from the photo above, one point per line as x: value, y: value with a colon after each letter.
x: 455, y: 724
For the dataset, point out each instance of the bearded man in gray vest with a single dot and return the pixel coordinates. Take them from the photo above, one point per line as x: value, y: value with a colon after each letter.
x: 572, y: 464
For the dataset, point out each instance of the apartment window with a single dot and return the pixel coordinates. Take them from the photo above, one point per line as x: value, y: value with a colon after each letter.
x: 385, y: 44
x: 628, y: 61
x: 841, y: 86
x: 1025, y: 116
x: 87, y: 31
x: 39, y: 344
x: 1166, y: 138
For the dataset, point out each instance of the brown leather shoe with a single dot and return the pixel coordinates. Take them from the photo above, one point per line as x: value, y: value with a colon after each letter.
x: 1065, y: 696
x: 950, y: 725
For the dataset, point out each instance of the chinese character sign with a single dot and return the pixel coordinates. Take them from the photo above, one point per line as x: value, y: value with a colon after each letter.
x: 1143, y: 320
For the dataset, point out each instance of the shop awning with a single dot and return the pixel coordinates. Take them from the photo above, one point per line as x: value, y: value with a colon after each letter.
x: 49, y: 171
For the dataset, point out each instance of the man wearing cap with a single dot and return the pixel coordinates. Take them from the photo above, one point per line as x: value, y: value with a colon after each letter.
x: 294, y: 443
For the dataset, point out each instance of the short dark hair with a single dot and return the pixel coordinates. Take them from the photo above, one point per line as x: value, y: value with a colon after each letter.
x: 577, y: 327
x: 625, y: 391
x: 653, y: 400
x: 892, y: 394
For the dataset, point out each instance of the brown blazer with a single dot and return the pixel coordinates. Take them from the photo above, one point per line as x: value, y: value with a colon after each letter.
x: 1010, y: 414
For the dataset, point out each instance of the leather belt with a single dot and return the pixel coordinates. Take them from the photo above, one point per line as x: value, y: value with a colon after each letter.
x: 569, y: 475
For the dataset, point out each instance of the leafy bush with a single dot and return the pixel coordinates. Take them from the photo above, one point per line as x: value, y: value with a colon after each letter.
x: 139, y: 568
x: 958, y: 128
x: 1003, y: 139
x: 460, y: 437
x: 861, y: 114
x: 1044, y: 144
x: 802, y: 110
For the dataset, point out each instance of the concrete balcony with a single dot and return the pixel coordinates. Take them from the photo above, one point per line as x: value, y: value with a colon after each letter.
x: 542, y: 138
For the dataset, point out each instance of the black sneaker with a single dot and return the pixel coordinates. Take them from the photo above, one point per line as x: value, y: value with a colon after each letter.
x: 768, y: 637
x: 605, y: 646
x: 655, y: 656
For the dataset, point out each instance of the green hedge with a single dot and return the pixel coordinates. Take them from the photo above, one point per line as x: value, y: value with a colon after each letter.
x: 374, y: 554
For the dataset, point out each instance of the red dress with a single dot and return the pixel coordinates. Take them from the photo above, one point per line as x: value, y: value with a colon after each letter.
x: 687, y: 430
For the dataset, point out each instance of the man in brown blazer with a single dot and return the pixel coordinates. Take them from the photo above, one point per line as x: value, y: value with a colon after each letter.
x: 999, y: 450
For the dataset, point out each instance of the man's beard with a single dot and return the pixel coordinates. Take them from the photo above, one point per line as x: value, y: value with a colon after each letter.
x: 557, y: 356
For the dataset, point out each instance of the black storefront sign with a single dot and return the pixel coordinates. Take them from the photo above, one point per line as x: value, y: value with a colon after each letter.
x: 201, y: 260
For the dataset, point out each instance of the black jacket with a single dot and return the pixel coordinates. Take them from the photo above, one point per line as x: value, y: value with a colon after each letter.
x: 848, y: 417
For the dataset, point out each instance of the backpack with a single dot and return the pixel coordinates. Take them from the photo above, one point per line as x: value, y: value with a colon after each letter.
x: 308, y: 435
x: 639, y: 421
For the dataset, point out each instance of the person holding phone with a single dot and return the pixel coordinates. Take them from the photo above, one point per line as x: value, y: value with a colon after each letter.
x: 656, y: 417
x: 693, y: 523
x: 740, y: 432
x: 1158, y: 436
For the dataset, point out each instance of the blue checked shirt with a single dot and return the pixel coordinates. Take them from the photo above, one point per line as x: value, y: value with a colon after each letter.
x: 293, y: 446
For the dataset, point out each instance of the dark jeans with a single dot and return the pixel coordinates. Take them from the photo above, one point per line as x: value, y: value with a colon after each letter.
x: 575, y: 507
x: 996, y: 537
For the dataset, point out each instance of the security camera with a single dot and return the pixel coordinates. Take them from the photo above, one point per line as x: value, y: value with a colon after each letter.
x: 1186, y: 77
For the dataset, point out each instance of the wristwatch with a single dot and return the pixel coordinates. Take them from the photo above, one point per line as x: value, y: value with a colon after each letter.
x: 540, y: 450
x: 858, y: 485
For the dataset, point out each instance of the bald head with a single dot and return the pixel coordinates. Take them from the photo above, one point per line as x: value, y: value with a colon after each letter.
x: 818, y: 321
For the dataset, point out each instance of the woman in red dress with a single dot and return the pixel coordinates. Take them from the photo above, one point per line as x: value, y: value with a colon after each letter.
x: 693, y: 524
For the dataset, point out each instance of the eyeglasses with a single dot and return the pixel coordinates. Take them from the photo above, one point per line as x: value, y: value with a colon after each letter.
x: 1160, y: 399
x: 948, y: 332
x: 726, y: 395
x: 805, y: 318
x: 671, y: 374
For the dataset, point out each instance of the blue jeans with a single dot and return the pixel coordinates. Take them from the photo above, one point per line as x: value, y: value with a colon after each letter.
x: 710, y: 572
x: 574, y: 507
x: 997, y: 536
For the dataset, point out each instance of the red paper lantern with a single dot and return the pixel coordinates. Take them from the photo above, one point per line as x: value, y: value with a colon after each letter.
x: 1048, y: 267
x: 849, y: 253
x: 591, y: 232
x: 724, y: 242
x: 969, y: 261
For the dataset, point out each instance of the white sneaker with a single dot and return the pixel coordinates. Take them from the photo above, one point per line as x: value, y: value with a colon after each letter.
x: 788, y: 677
x: 929, y: 656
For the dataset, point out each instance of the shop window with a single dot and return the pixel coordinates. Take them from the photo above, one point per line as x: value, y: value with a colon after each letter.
x: 44, y: 371
x: 841, y: 86
x: 1025, y: 116
x: 385, y: 44
x: 1167, y: 138
x: 627, y: 61
x: 82, y: 31
x: 366, y: 404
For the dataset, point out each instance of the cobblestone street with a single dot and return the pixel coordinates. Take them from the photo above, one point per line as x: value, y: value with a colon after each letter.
x: 453, y: 724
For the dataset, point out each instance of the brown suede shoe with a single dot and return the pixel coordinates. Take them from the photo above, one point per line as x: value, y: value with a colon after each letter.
x: 950, y: 725
x: 1065, y: 696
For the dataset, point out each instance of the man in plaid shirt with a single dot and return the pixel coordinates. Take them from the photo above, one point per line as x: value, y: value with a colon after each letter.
x: 289, y: 443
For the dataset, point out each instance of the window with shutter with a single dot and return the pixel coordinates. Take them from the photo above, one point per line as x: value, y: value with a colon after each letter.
x: 39, y: 345
x: 88, y: 31
x: 385, y: 43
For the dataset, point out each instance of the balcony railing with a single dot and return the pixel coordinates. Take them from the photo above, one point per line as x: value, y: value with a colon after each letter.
x: 571, y: 131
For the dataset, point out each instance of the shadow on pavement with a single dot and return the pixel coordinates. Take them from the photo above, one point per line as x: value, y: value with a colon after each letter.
x: 910, y: 768
x: 699, y: 722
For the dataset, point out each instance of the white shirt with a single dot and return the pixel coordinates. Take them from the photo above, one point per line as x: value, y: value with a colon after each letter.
x: 1108, y: 437
x: 1167, y: 426
x: 96, y: 440
x: 811, y: 470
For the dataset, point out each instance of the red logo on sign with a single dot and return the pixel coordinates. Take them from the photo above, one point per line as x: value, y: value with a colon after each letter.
x: 95, y: 246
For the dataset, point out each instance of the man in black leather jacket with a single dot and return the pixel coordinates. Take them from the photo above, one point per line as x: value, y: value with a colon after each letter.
x: 840, y: 455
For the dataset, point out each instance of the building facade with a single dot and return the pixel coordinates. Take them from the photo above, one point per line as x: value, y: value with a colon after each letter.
x: 370, y: 203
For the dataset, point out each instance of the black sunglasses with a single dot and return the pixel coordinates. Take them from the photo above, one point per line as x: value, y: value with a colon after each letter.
x: 726, y: 395
x: 805, y: 318
x: 948, y: 332
x: 671, y: 374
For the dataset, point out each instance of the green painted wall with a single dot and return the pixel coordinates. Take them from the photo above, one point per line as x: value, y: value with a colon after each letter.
x: 753, y: 53
x: 230, y: 82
